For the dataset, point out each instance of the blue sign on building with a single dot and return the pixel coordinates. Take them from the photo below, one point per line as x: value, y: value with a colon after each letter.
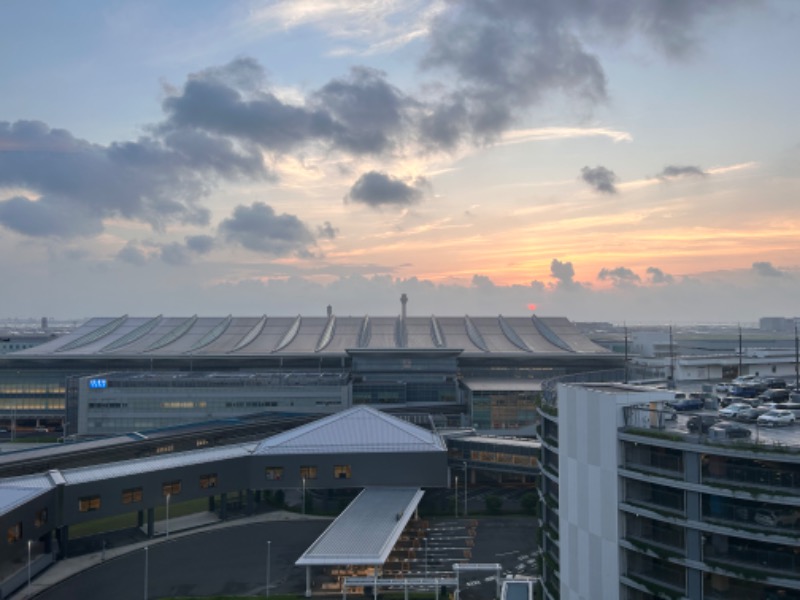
x: 98, y: 384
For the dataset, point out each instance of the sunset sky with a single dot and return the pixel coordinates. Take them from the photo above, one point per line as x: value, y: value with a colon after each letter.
x: 620, y: 160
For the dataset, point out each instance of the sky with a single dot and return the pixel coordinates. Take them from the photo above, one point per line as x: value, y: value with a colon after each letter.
x: 630, y: 161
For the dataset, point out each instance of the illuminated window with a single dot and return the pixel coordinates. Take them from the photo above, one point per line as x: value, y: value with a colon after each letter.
x: 208, y: 481
x: 274, y: 473
x: 171, y: 489
x: 199, y: 443
x: 89, y: 503
x: 15, y: 533
x: 308, y: 472
x: 165, y: 449
x: 132, y: 495
x: 40, y: 518
x: 342, y: 472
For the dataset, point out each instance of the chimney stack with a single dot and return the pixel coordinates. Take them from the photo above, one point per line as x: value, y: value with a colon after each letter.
x: 403, y: 302
x: 330, y: 311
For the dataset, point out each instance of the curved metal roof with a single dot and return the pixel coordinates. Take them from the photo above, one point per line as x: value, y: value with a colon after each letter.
x: 315, y: 335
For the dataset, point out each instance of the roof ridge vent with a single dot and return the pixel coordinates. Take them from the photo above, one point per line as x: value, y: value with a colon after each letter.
x: 512, y: 335
x: 290, y: 334
x: 436, y: 333
x: 475, y: 335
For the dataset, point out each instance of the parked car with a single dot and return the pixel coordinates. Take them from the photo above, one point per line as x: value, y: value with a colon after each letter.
x: 775, y: 383
x: 751, y: 414
x: 685, y: 404
x: 776, y: 518
x: 701, y: 423
x: 775, y: 395
x: 730, y: 411
x: 774, y: 417
x: 721, y: 388
x: 728, y: 430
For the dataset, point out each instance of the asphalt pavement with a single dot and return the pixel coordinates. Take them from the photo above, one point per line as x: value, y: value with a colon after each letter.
x: 203, y: 557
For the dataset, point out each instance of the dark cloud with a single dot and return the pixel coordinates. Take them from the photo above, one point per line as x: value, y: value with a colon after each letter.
x: 766, y: 269
x: 258, y: 228
x: 366, y: 110
x: 327, y: 231
x: 379, y: 189
x: 620, y: 275
x: 658, y: 276
x: 152, y: 180
x: 564, y: 272
x: 175, y: 254
x: 358, y: 114
x: 200, y: 244
x: 48, y: 217
x: 673, y: 171
x: 482, y: 282
x: 132, y: 254
x: 509, y: 55
x: 600, y: 178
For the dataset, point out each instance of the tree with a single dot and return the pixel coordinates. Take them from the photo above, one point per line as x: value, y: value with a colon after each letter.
x: 494, y: 504
x: 529, y: 503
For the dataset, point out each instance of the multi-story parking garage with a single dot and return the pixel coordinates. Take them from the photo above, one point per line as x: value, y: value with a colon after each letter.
x: 636, y: 506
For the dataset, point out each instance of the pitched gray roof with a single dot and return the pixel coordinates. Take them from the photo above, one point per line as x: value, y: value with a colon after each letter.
x: 359, y: 429
x: 367, y: 530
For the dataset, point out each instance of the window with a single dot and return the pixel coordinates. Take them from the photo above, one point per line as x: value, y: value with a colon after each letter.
x: 165, y: 449
x: 40, y: 518
x: 89, y: 503
x: 200, y: 442
x: 15, y: 533
x: 274, y: 473
x: 308, y: 472
x: 208, y: 481
x: 172, y: 488
x: 132, y: 495
x: 342, y: 472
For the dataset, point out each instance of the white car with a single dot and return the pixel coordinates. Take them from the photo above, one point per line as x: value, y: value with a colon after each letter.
x: 730, y: 411
x: 776, y: 417
x: 721, y: 388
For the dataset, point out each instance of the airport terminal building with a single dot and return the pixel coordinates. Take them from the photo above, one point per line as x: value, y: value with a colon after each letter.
x: 121, y: 374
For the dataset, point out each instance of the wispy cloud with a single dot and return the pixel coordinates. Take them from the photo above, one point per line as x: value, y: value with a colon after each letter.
x: 369, y: 26
x: 522, y: 136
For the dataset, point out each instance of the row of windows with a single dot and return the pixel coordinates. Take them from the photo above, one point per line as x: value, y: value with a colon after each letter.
x: 309, y: 472
x: 155, y: 404
x: 14, y: 533
x: 134, y: 495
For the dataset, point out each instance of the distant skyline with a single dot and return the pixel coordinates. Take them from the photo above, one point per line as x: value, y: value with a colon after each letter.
x: 604, y: 160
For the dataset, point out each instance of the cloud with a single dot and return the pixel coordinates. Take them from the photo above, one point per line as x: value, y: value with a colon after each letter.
x: 379, y: 189
x: 200, y: 244
x: 620, y: 276
x: 258, y: 228
x: 657, y: 276
x: 132, y: 254
x: 80, y: 185
x: 48, y: 217
x: 600, y: 178
x: 766, y: 269
x: 175, y: 254
x: 509, y: 56
x: 358, y: 114
x: 563, y: 272
x: 327, y: 231
x: 673, y: 171
x: 482, y: 282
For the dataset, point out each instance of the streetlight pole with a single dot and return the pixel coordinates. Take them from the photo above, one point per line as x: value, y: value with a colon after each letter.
x: 29, y: 566
x: 304, y: 495
x: 146, y: 564
x: 466, y: 483
x: 269, y: 551
x: 426, y: 554
x: 168, y: 497
x: 455, y: 498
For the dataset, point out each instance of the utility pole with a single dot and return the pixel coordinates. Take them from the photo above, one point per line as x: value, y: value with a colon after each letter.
x: 796, y: 358
x: 671, y: 361
x: 625, y: 379
x: 740, y: 351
